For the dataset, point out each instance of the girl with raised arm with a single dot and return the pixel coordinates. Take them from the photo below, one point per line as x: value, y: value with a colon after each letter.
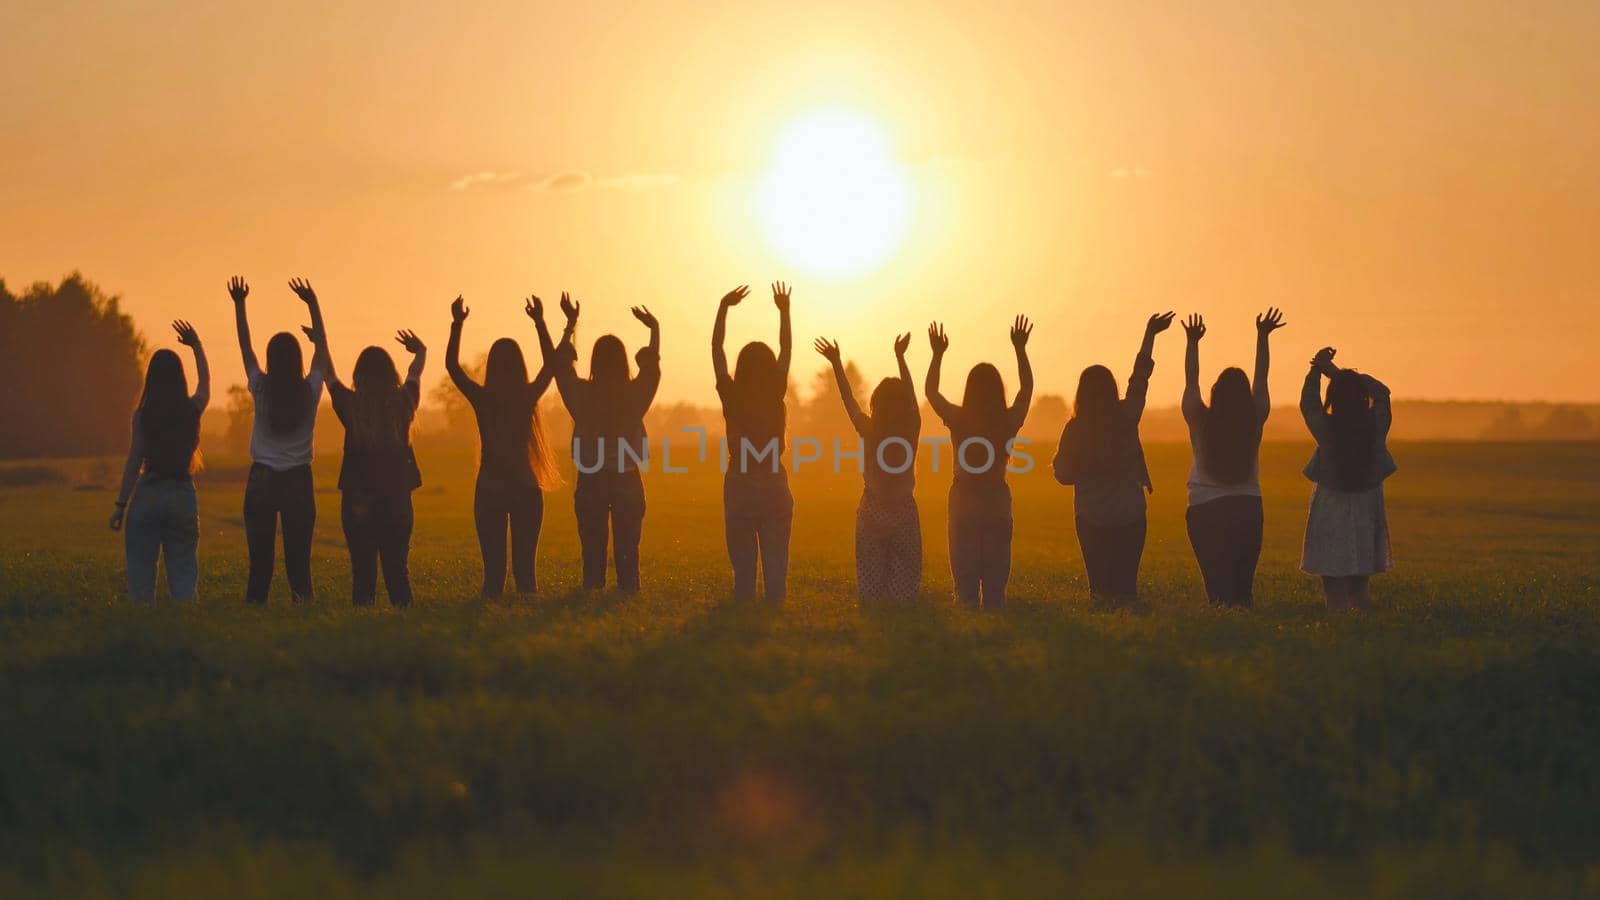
x: 756, y: 504
x: 1347, y: 531
x: 1101, y: 456
x: 515, y: 465
x: 1224, y: 517
x: 981, y: 432
x: 379, y: 470
x: 164, y: 518
x: 888, y: 529
x: 280, y: 486
x: 608, y: 440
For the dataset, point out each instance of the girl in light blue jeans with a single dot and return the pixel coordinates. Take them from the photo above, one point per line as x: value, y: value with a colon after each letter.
x: 162, y: 519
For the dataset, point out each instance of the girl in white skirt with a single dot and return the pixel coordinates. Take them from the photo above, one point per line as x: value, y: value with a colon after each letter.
x: 1347, y: 532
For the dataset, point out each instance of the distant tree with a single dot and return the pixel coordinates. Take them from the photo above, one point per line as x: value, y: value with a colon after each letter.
x: 72, y: 364
x: 1566, y: 423
x: 1508, y: 426
x: 241, y: 413
x: 1046, y: 416
x: 452, y: 404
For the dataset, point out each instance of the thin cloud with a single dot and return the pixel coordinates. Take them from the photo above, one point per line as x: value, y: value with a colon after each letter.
x: 487, y: 179
x: 564, y: 182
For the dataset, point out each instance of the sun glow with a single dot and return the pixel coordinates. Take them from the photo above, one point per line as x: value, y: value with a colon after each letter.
x: 836, y: 200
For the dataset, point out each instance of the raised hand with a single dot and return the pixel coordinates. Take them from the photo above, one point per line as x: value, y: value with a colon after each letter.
x: 302, y: 289
x: 1194, y: 328
x: 902, y: 344
x: 1269, y: 321
x: 410, y: 341
x: 237, y: 289
x: 569, y: 308
x: 186, y: 333
x: 534, y: 307
x: 733, y: 297
x: 1158, y: 323
x: 458, y: 310
x: 643, y: 314
x: 1020, y: 329
x: 828, y: 349
x: 780, y: 295
x: 1323, y: 361
x: 937, y: 339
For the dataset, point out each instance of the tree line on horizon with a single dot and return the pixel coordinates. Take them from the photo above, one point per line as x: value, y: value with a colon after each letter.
x: 73, y: 364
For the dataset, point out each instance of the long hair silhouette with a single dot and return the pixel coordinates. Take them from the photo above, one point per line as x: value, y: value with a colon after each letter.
x: 168, y: 421
x: 505, y: 385
x: 379, y: 419
x: 894, y: 414
x: 760, y: 387
x: 288, y: 392
x: 1354, y: 427
x: 1228, y: 435
x: 984, y: 397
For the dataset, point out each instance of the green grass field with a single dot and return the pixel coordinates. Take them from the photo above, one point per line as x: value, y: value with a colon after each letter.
x: 677, y: 744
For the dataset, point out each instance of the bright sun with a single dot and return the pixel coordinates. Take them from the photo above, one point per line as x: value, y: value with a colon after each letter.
x: 835, y: 200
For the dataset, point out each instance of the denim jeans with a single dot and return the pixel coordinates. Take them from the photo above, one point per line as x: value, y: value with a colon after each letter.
x: 377, y: 528
x: 162, y: 520
x: 610, y: 506
x: 271, y: 495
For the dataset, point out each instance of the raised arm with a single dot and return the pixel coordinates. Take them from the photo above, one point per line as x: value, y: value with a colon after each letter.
x: 452, y: 351
x: 419, y: 358
x: 649, y: 358
x: 938, y: 342
x: 238, y: 290
x: 1021, y: 329
x: 1266, y: 324
x: 847, y: 395
x: 317, y: 332
x: 1194, y: 328
x: 780, y: 299
x: 202, y: 369
x: 563, y: 364
x: 719, y: 333
x: 1311, y: 391
x: 901, y: 345
x: 1144, y: 364
x: 1382, y: 410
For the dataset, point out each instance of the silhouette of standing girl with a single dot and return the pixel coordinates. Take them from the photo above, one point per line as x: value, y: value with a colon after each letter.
x: 379, y: 470
x: 1347, y: 531
x: 888, y: 530
x: 981, y: 430
x: 1224, y: 517
x: 1101, y: 456
x: 608, y: 441
x: 164, y: 518
x: 514, y: 462
x: 757, y: 506
x: 280, y: 485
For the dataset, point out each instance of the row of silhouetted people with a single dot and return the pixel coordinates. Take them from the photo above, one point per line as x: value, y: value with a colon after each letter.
x: 1346, y: 539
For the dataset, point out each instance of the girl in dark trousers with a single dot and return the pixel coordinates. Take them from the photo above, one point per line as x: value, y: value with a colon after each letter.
x: 1347, y: 531
x: 888, y: 529
x: 1100, y: 455
x: 164, y: 519
x: 279, y: 487
x: 757, y: 506
x: 515, y: 465
x: 981, y: 430
x: 1224, y: 517
x: 379, y: 470
x: 608, y: 440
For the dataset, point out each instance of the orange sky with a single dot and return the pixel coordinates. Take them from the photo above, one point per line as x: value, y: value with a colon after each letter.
x: 1417, y: 184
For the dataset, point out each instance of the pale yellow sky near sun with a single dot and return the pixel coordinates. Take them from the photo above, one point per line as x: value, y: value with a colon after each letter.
x: 1415, y: 183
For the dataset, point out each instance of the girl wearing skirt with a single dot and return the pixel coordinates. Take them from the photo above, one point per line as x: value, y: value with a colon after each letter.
x: 1347, y: 532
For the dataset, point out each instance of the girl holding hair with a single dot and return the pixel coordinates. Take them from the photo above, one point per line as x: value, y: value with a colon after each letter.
x: 1101, y: 456
x: 757, y: 506
x: 379, y: 470
x: 280, y: 486
x: 164, y: 519
x: 981, y: 430
x: 608, y: 440
x: 888, y: 529
x: 515, y: 465
x: 1347, y: 531
x: 1224, y: 517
